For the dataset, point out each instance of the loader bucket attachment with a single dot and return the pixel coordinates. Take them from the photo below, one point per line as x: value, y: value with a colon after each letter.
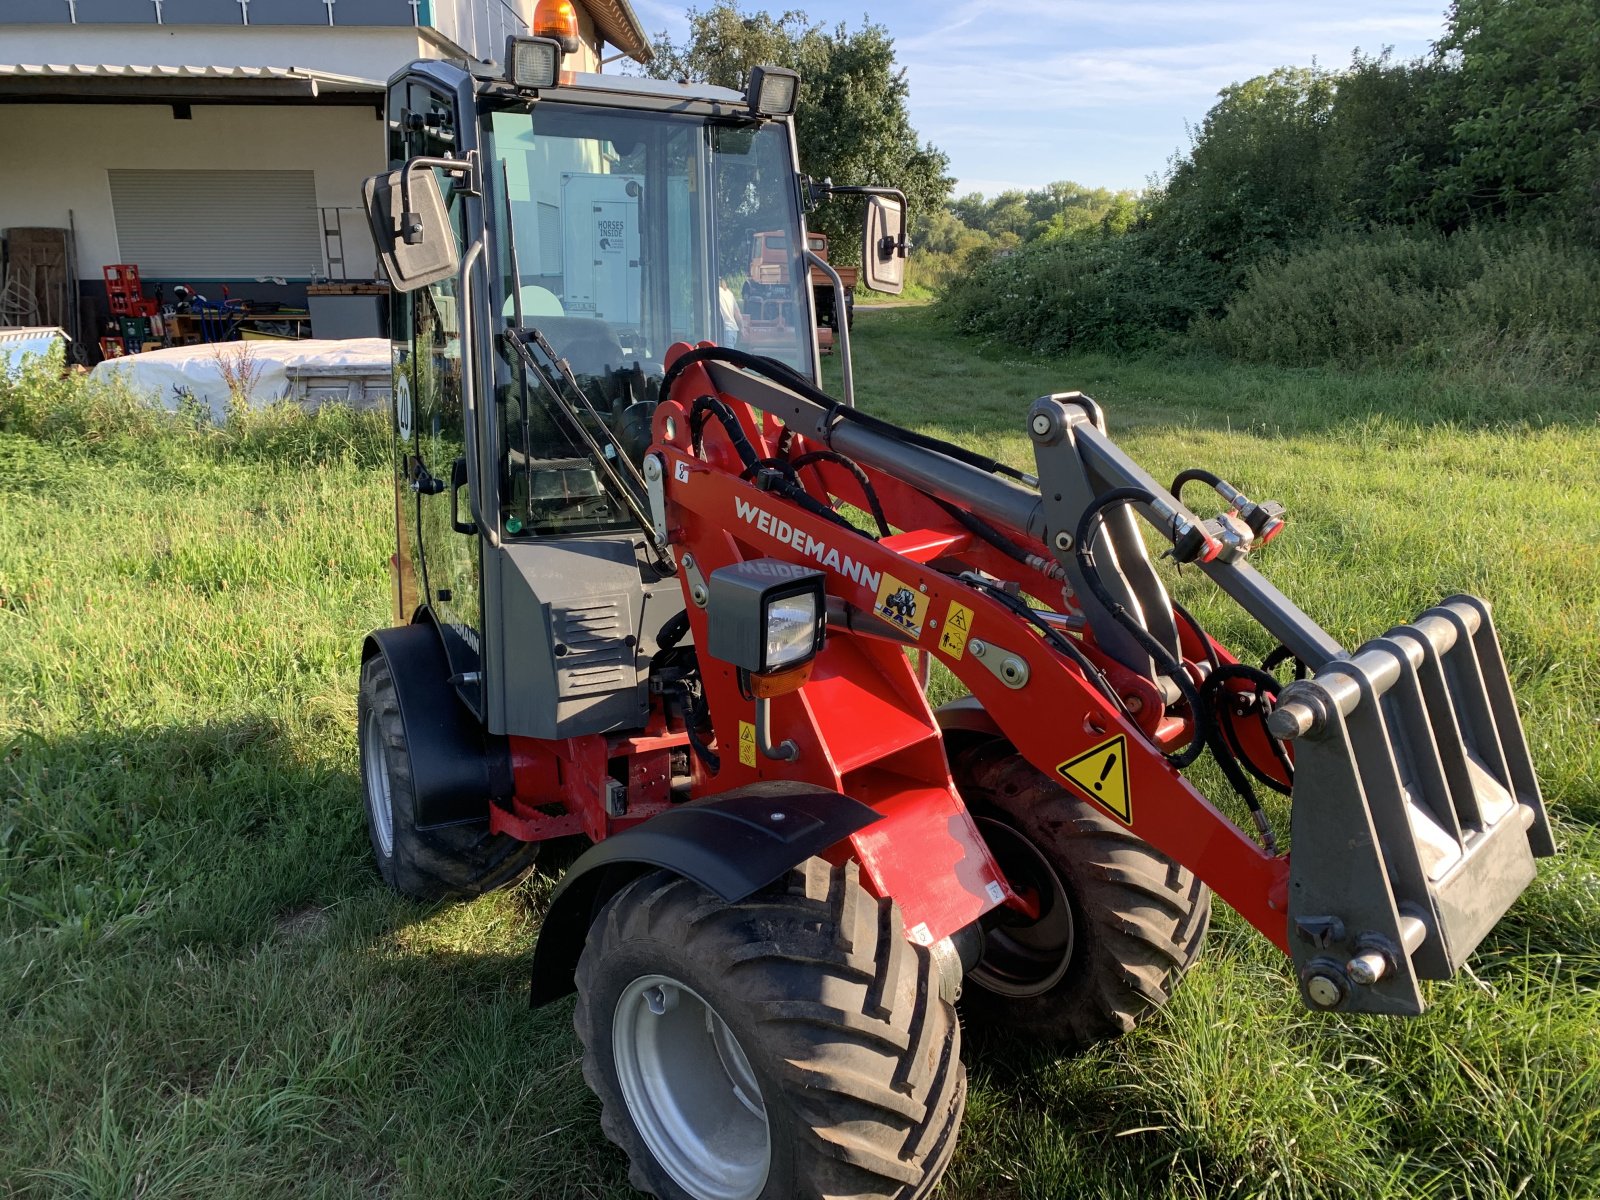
x: 1416, y: 813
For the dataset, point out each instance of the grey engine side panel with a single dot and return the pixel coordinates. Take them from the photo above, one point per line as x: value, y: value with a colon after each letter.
x: 577, y: 633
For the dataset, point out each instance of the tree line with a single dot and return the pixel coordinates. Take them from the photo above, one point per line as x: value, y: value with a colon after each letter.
x: 1478, y: 161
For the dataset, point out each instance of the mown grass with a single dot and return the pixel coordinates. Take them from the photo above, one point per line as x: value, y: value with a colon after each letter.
x: 205, y: 991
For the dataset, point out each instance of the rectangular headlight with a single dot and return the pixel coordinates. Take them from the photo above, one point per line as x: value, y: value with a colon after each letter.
x: 791, y: 630
x: 765, y: 615
x: 533, y: 62
x: 772, y: 91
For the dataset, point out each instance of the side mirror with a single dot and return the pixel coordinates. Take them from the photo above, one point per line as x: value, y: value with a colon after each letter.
x: 883, y: 249
x: 411, y: 227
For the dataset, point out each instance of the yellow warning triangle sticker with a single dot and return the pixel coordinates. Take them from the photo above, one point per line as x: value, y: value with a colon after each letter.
x: 1102, y: 775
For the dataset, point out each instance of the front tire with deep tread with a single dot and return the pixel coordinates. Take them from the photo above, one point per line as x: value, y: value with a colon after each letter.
x: 856, y: 1054
x: 1138, y: 918
x: 452, y: 862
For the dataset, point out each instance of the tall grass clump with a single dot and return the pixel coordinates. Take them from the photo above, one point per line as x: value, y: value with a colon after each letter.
x: 1089, y: 293
x: 1490, y: 299
x: 41, y: 400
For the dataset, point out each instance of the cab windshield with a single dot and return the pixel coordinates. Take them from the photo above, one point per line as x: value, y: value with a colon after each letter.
x: 618, y: 234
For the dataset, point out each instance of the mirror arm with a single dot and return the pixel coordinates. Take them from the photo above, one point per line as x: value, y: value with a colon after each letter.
x: 410, y: 230
x: 828, y: 188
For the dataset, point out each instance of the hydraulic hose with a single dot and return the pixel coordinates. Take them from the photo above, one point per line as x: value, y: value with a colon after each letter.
x: 1230, y: 754
x: 1193, y: 475
x: 1057, y: 639
x: 860, y: 476
x: 786, y: 376
x: 673, y: 631
x: 1088, y: 526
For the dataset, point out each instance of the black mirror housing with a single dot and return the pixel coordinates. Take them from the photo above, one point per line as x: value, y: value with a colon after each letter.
x: 410, y: 228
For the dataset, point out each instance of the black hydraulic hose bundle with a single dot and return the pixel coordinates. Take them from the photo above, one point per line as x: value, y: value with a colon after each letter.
x: 673, y: 631
x: 719, y: 408
x: 860, y: 476
x: 1057, y: 639
x: 1280, y: 656
x: 1225, y: 747
x: 1088, y: 526
x: 786, y: 376
x: 693, y: 715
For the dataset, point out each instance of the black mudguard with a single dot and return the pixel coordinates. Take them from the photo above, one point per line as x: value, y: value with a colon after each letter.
x: 733, y: 845
x: 457, y: 766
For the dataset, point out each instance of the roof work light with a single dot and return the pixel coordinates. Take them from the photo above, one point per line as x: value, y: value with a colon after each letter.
x: 559, y: 20
x: 772, y: 91
x: 533, y: 62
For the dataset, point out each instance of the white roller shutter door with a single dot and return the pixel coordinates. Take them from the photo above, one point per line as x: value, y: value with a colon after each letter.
x: 217, y: 224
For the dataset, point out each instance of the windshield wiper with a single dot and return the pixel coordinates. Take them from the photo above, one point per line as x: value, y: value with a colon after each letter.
x: 573, y: 403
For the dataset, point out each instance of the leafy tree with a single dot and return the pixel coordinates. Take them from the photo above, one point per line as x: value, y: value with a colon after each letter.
x: 1256, y: 178
x: 851, y: 122
x: 1389, y: 132
x: 1525, y: 134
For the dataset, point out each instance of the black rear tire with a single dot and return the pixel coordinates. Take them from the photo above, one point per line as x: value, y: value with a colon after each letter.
x: 836, y: 1018
x: 452, y: 862
x: 1131, y: 925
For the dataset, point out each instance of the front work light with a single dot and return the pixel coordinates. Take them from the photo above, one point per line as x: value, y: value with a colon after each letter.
x: 772, y: 91
x: 765, y: 616
x: 533, y: 63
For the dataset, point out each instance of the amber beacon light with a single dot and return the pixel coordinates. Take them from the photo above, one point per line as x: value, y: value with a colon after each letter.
x: 559, y: 20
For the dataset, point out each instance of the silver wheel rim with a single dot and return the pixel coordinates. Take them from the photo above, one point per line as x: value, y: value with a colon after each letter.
x: 376, y: 771
x: 1022, y: 957
x: 690, y: 1090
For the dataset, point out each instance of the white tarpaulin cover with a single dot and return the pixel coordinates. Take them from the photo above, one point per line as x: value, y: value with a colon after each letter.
x: 285, y: 369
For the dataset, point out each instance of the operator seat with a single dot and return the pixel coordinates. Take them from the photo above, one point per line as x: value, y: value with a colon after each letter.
x: 589, y: 345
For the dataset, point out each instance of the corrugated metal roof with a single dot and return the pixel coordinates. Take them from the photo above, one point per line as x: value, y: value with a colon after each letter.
x: 315, y: 81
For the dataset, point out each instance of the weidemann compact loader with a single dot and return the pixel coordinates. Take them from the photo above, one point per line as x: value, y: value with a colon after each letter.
x: 656, y: 588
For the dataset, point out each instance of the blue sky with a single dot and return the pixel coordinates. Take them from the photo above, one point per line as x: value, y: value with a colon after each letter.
x: 1022, y: 92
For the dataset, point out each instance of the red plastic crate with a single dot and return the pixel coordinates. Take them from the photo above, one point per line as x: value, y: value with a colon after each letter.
x: 124, y: 292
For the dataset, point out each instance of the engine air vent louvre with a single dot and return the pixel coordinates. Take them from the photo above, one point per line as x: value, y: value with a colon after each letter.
x: 598, y: 657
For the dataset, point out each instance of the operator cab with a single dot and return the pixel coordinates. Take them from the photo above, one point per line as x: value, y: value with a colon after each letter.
x: 549, y: 236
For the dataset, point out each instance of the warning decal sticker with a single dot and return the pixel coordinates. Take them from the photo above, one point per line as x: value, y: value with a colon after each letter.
x: 1102, y: 775
x: 957, y: 628
x: 747, y: 743
x: 901, y: 606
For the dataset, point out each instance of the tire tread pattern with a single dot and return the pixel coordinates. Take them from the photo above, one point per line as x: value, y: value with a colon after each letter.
x: 1141, y: 917
x: 847, y: 1014
x: 453, y: 862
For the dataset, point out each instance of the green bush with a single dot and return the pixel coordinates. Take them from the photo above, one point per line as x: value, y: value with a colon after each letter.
x: 1080, y: 293
x: 1493, y: 299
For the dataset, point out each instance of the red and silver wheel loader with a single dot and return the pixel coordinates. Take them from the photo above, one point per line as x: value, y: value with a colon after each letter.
x: 665, y: 593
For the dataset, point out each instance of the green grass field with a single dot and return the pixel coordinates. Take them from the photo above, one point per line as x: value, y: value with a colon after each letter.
x: 206, y: 992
